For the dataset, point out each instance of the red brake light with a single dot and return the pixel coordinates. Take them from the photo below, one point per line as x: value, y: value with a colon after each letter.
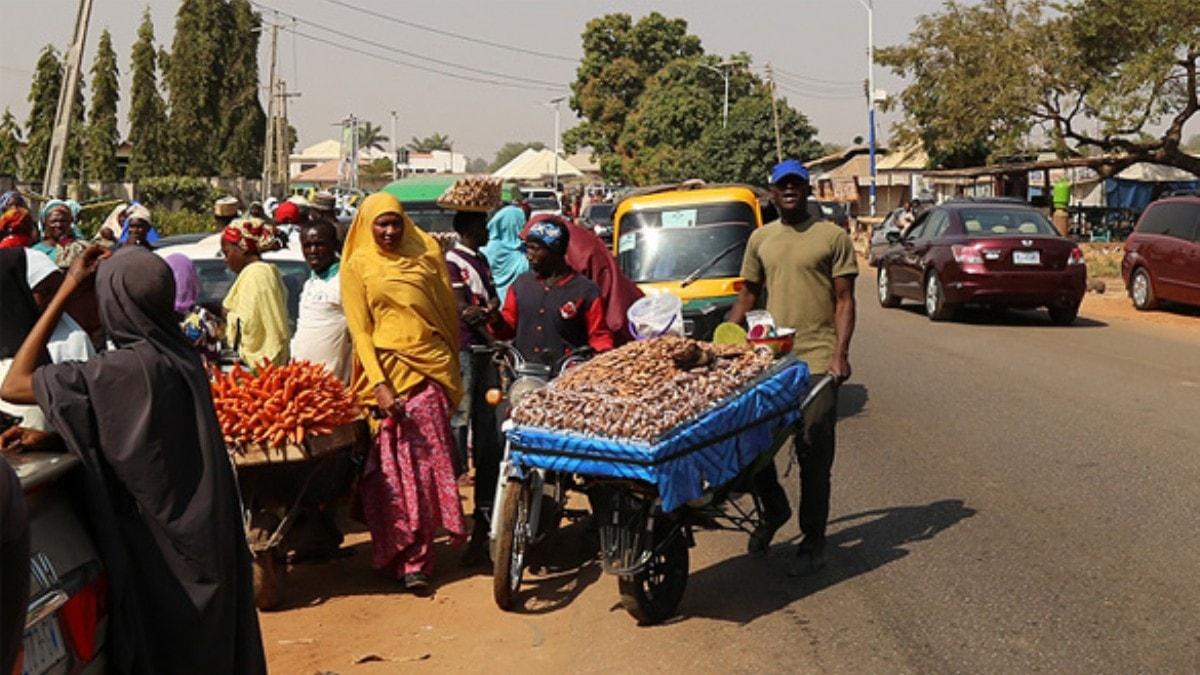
x: 966, y: 255
x: 1076, y: 257
x: 81, y: 616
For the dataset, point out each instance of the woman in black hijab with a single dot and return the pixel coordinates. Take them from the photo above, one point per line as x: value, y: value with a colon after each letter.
x: 162, y: 494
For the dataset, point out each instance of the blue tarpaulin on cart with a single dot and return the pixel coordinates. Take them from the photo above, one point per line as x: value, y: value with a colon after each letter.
x: 708, y: 451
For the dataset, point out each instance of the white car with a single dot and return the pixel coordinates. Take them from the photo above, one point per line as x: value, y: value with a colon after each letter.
x: 215, y: 277
x: 542, y: 200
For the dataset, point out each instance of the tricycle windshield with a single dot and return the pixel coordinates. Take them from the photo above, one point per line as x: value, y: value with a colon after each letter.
x: 668, y: 244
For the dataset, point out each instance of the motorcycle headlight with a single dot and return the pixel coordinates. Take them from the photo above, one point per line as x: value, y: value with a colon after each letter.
x: 522, y: 388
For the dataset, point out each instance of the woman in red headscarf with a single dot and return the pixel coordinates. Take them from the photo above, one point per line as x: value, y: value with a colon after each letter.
x: 255, y: 306
x: 16, y: 228
x: 587, y: 255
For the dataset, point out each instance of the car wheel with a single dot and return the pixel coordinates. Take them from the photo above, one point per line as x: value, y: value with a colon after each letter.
x: 936, y: 307
x: 1063, y: 315
x: 886, y: 297
x: 1142, y: 291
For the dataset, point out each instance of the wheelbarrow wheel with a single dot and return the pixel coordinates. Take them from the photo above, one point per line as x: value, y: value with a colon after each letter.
x: 653, y: 594
x: 269, y: 568
x: 512, y: 542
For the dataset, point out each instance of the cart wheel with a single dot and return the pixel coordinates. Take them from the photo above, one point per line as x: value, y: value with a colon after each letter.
x: 270, y: 571
x: 653, y: 594
x: 512, y: 541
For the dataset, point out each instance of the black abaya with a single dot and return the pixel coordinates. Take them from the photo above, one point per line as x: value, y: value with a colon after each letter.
x: 162, y: 493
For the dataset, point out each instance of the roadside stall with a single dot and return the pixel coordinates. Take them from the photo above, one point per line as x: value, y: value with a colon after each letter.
x: 296, y: 435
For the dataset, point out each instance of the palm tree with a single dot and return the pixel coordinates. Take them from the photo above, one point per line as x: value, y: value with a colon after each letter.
x: 430, y: 143
x: 371, y: 136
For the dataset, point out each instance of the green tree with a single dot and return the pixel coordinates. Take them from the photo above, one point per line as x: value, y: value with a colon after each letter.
x: 377, y: 169
x: 243, y: 127
x: 430, y: 143
x: 100, y: 144
x: 510, y: 150
x: 744, y: 151
x: 39, y: 126
x: 194, y: 77
x: 1126, y: 68
x: 680, y: 102
x: 147, y: 111
x: 10, y: 145
x: 477, y: 165
x: 619, y: 57
x: 371, y: 136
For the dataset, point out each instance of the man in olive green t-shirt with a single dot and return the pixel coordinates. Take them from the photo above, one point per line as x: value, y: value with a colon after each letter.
x: 807, y: 267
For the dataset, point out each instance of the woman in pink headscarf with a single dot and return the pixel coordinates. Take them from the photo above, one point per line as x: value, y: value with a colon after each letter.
x: 588, y: 255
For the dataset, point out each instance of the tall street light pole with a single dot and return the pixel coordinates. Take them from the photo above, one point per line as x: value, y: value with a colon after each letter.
x: 395, y: 156
x: 723, y: 71
x: 557, y: 111
x: 869, y: 5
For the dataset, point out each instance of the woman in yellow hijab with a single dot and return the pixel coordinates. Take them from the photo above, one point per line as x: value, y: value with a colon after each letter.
x: 403, y: 320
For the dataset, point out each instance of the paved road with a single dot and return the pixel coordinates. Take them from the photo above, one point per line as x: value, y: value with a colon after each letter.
x: 1009, y: 497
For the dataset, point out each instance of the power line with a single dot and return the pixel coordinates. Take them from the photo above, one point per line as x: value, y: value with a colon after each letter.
x: 458, y: 36
x: 817, y: 95
x: 418, y: 66
x: 798, y: 76
x: 839, y: 89
x: 414, y: 55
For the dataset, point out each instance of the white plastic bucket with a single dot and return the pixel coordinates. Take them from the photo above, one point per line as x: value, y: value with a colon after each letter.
x: 656, y: 315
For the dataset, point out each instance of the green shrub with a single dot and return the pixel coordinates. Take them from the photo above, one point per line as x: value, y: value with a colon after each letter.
x: 181, y: 222
x: 92, y: 215
x: 186, y: 193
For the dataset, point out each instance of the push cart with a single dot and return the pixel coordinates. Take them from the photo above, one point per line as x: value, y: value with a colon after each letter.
x: 278, y: 483
x: 648, y: 498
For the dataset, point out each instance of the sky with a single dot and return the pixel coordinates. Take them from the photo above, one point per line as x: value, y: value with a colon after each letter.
x: 818, y: 46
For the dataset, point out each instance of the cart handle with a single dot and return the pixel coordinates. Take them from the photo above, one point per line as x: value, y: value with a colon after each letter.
x: 826, y: 381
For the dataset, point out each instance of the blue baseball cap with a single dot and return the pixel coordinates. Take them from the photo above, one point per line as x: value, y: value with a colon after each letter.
x: 788, y: 167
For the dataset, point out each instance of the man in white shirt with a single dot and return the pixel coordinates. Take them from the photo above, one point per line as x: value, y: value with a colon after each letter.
x: 321, y: 334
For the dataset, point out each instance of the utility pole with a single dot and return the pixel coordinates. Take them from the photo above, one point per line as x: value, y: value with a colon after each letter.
x: 52, y: 183
x: 395, y: 156
x: 775, y: 114
x: 282, y: 148
x: 268, y: 177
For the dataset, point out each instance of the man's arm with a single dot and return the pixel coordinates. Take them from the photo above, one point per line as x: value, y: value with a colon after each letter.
x: 600, y: 338
x: 844, y: 314
x: 504, y: 323
x: 746, y: 300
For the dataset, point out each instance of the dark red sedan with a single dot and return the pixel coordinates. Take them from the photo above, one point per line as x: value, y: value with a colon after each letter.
x: 987, y: 252
x: 1162, y: 256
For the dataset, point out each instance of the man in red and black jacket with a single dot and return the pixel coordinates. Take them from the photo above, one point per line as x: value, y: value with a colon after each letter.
x: 551, y: 311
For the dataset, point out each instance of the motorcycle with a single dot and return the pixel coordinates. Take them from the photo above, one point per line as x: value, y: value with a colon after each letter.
x: 530, y: 505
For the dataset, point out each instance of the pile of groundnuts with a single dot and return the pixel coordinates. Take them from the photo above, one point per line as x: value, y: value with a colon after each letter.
x: 644, y: 389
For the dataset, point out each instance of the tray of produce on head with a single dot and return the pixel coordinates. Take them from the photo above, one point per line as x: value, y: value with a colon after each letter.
x: 675, y: 412
x: 472, y: 193
x: 285, y: 413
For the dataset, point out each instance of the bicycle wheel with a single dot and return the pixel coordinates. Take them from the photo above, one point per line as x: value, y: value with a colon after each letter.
x: 653, y: 594
x: 512, y: 541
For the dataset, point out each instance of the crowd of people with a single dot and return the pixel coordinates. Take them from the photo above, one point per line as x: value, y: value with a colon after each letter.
x: 95, y: 329
x: 106, y: 348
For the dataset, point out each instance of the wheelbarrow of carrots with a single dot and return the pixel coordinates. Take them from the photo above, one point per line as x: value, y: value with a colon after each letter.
x: 297, y: 440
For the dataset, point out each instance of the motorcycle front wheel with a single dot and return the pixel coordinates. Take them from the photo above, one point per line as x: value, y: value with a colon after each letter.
x: 512, y: 542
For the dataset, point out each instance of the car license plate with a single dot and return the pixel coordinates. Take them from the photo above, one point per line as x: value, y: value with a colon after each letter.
x: 1027, y: 257
x: 44, y: 647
